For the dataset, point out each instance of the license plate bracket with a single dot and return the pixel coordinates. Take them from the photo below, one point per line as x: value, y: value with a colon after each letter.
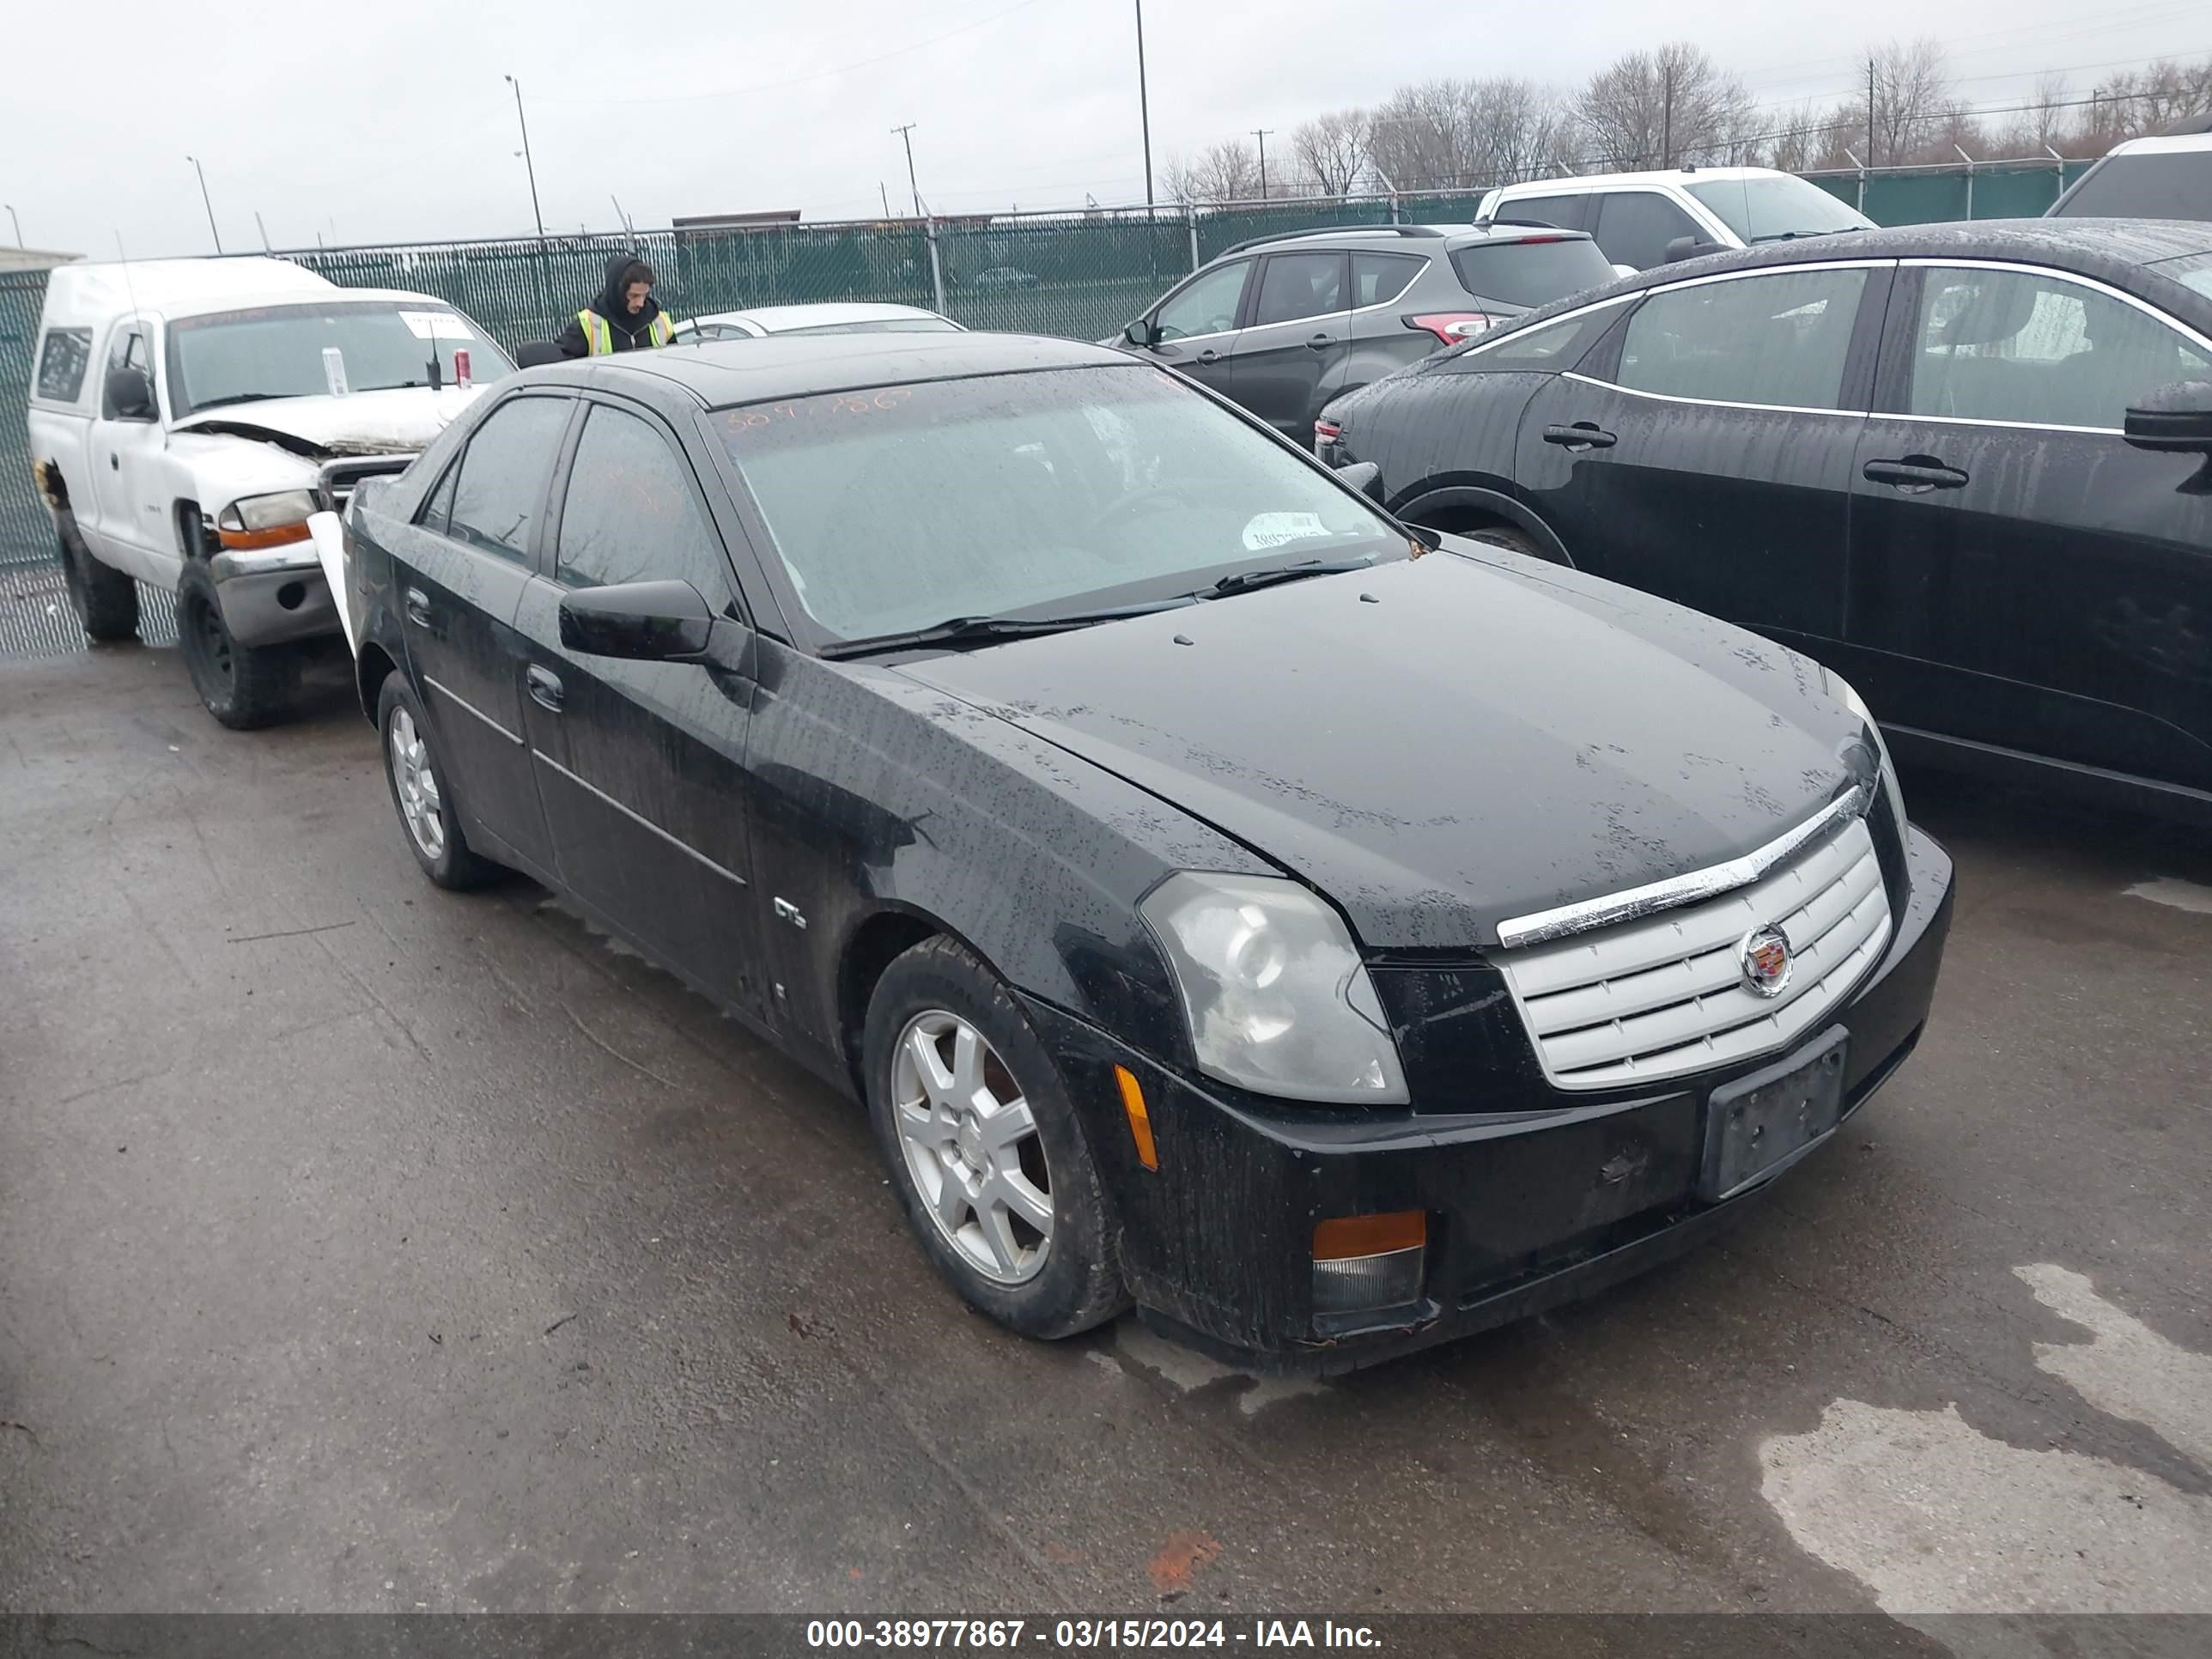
x: 1758, y: 1125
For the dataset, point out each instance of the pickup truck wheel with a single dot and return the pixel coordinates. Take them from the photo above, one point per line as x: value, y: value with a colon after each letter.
x: 985, y: 1150
x: 421, y: 794
x: 104, y: 600
x: 243, y: 687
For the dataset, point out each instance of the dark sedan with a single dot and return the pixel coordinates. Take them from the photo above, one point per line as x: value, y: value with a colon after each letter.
x: 1331, y: 938
x: 1966, y: 465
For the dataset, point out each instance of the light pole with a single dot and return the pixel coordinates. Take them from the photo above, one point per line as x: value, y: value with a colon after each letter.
x: 1143, y: 104
x: 205, y: 203
x: 529, y: 165
x: 906, y: 134
x: 18, y: 223
x: 1261, y: 133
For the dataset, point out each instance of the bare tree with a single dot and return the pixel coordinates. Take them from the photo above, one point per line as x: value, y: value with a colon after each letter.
x: 1912, y: 99
x: 2041, y: 126
x: 1513, y: 128
x: 1331, y: 152
x: 1460, y: 135
x: 1226, y: 172
x: 1660, y: 108
x: 1794, y: 139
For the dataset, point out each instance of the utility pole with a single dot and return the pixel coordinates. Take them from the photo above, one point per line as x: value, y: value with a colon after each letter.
x: 1870, y: 155
x: 19, y: 227
x: 263, y: 229
x: 1144, y: 105
x: 1667, y: 119
x: 906, y: 135
x: 529, y: 164
x: 1261, y: 133
x: 205, y: 203
x: 884, y: 191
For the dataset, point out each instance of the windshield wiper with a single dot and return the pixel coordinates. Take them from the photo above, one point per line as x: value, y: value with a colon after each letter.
x: 241, y: 398
x: 1269, y: 575
x: 1793, y: 235
x: 989, y: 630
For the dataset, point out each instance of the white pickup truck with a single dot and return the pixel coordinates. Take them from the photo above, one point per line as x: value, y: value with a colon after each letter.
x: 186, y: 418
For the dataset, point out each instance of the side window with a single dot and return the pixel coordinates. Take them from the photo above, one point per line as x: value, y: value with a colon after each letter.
x: 1778, y: 339
x: 1551, y: 348
x: 1379, y: 278
x: 128, y: 352
x: 1293, y: 286
x: 1563, y: 211
x: 1635, y: 226
x: 2004, y: 345
x: 63, y: 357
x: 500, y: 495
x: 632, y: 512
x: 1207, y: 305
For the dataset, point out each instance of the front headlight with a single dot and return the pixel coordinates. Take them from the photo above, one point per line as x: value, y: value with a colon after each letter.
x: 1278, y: 1000
x: 266, y: 521
x: 1857, y: 705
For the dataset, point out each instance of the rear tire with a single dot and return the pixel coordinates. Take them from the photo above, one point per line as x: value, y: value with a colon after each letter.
x: 421, y: 794
x: 984, y: 1148
x: 244, y: 687
x: 104, y: 600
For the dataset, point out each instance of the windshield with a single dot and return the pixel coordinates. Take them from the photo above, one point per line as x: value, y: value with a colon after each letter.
x: 2177, y: 184
x: 1533, y: 272
x: 1041, y: 493
x: 877, y: 325
x: 1768, y: 209
x: 2191, y: 270
x: 313, y: 350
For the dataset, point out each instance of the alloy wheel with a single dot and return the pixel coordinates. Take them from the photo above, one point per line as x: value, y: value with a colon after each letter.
x: 416, y: 782
x: 972, y: 1148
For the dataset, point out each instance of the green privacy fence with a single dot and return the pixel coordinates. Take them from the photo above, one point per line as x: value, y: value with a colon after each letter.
x: 1078, y: 274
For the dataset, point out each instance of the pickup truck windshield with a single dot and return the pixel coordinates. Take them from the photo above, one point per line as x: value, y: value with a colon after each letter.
x: 1033, y: 494
x: 2148, y: 184
x: 1770, y: 210
x: 280, y: 351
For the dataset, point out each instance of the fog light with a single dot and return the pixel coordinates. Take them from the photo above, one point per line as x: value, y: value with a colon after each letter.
x: 1366, y: 1262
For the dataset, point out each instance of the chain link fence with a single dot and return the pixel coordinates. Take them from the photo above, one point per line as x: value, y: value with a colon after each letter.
x: 1081, y: 275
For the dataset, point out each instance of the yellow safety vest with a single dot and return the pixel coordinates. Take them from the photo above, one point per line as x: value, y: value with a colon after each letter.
x: 599, y: 336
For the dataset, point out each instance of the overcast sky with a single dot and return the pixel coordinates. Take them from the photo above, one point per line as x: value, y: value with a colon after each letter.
x: 388, y: 119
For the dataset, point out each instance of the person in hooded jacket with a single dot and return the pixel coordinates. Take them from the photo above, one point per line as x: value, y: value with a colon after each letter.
x: 624, y: 316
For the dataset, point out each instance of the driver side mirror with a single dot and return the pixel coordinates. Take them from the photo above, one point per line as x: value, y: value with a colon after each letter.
x: 130, y: 394
x: 1365, y: 476
x: 1690, y: 247
x: 1141, y: 333
x: 2174, y: 420
x: 641, y: 622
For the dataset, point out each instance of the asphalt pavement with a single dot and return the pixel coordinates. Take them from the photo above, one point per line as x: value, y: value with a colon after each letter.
x: 365, y: 1247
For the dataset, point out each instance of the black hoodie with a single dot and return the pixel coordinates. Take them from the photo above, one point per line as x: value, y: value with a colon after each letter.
x: 630, y: 333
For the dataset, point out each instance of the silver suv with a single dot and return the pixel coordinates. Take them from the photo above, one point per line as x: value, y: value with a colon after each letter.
x: 1283, y: 324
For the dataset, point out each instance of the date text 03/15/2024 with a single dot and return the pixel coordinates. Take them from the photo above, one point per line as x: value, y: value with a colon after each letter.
x: 1077, y: 1635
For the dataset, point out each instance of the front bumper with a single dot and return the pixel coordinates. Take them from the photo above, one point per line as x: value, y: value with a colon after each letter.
x: 1527, y: 1210
x: 272, y: 596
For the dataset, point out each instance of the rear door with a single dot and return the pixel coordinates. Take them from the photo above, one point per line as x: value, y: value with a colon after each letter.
x: 461, y: 568
x: 642, y: 764
x: 1195, y: 326
x: 1381, y: 340
x: 1295, y: 340
x: 1703, y: 452
x: 2022, y: 576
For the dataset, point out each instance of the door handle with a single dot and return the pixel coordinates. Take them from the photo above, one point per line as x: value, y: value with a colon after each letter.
x: 544, y: 689
x: 1583, y: 434
x: 114, y: 461
x: 1321, y: 343
x: 418, y: 607
x: 1915, y: 475
x: 1209, y: 355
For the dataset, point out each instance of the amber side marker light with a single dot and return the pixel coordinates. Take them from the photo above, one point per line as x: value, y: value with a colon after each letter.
x: 1362, y: 1263
x: 1140, y: 1119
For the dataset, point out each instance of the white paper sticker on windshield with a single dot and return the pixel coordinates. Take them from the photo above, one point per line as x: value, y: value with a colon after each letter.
x: 436, y: 325
x: 334, y: 370
x: 1273, y: 529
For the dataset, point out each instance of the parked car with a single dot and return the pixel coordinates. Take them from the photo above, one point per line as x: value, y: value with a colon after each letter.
x: 1646, y: 219
x: 1283, y: 324
x: 2166, y: 177
x: 188, y: 416
x: 1964, y: 463
x: 830, y: 317
x: 1156, y: 835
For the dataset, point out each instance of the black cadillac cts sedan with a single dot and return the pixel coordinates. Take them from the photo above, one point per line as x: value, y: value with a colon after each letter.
x: 1331, y: 937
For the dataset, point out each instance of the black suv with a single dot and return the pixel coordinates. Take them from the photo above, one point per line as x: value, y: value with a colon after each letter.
x: 1283, y: 324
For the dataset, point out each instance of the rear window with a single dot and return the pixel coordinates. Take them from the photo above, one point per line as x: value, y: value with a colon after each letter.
x: 1531, y: 273
x: 1776, y: 209
x: 62, y: 358
x: 877, y: 325
x: 2175, y: 185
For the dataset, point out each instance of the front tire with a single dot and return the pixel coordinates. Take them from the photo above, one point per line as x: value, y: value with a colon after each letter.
x: 421, y: 794
x: 984, y: 1147
x: 106, y: 600
x: 244, y: 687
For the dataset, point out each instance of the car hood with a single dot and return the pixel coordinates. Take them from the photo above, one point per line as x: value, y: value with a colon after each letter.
x: 1445, y: 743
x: 394, y: 423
